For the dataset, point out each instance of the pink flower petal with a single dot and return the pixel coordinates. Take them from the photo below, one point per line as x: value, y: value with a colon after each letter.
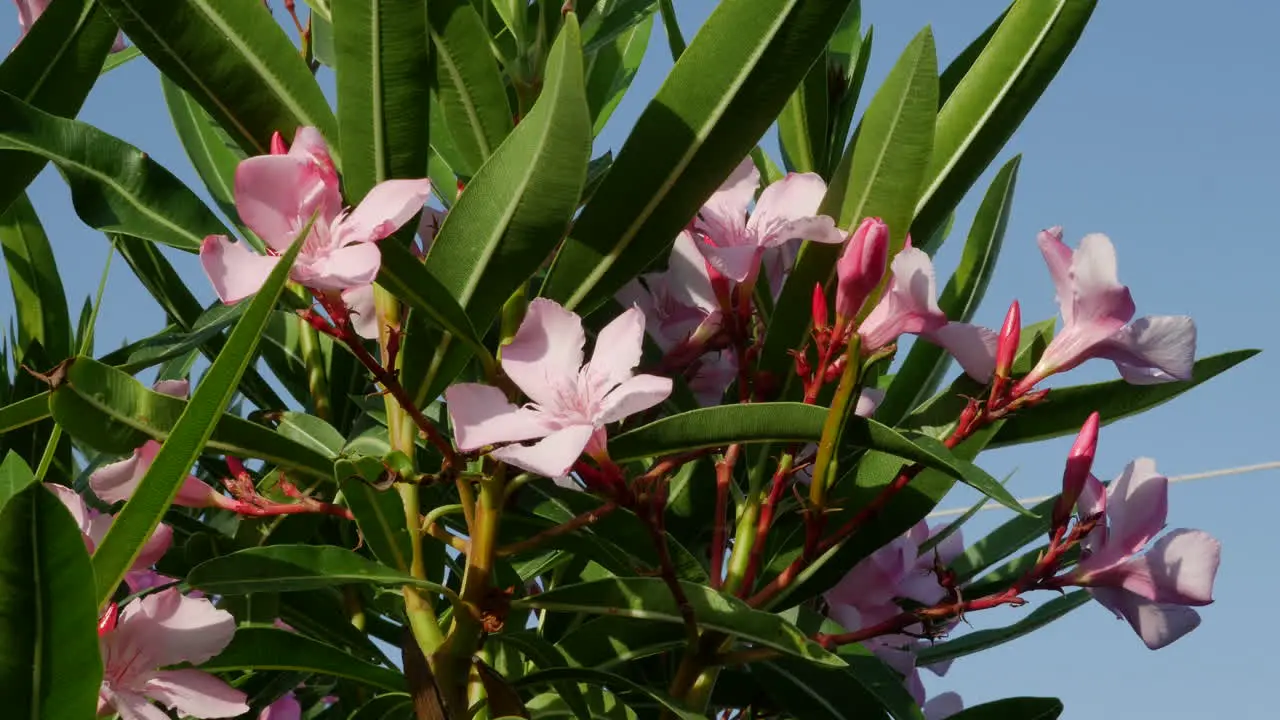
x: 688, y: 279
x: 1093, y: 499
x: 617, y: 352
x: 973, y: 346
x: 481, y: 415
x: 83, y: 514
x: 309, y: 145
x: 546, y: 352
x: 196, y: 693
x: 1057, y: 256
x: 632, y: 396
x: 388, y: 206
x: 155, y: 547
x: 553, y: 455
x: 235, y: 270
x: 868, y: 400
x: 1137, y: 504
x: 286, y: 708
x: 942, y: 706
x: 1098, y: 292
x: 116, y: 481
x: 173, y: 388
x: 794, y: 197
x: 364, y: 315
x: 1182, y: 566
x: 910, y: 305
x: 133, y: 706
x: 1154, y: 349
x: 28, y: 12
x: 821, y: 229
x: 167, y: 628
x: 714, y: 374
x: 1157, y: 624
x: 346, y: 267
x: 276, y: 196
x: 724, y: 216
x: 736, y: 262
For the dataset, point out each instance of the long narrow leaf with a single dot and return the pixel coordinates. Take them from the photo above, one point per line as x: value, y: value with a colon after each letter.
x: 38, y: 297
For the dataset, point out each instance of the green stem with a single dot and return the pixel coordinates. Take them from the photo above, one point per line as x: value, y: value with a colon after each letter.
x: 675, y: 39
x: 745, y: 533
x: 313, y: 358
x: 422, y: 617
x: 843, y: 402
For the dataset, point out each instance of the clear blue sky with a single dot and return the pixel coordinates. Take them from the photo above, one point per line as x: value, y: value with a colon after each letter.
x: 1161, y: 132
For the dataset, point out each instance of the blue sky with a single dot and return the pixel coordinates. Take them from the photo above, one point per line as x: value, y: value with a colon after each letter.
x: 1160, y: 132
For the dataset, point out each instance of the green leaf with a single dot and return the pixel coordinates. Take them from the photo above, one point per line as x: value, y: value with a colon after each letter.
x: 269, y: 648
x: 544, y: 655
x: 379, y: 513
x: 116, y: 59
x: 606, y: 680
x: 1066, y: 409
x: 516, y: 209
x: 803, y: 124
x: 285, y: 568
x: 926, y: 363
x: 114, y: 186
x: 720, y: 97
x: 168, y: 288
x: 395, y: 706
x: 814, y: 692
x: 53, y: 68
x: 112, y: 412
x: 649, y: 598
x: 1002, y: 542
x: 985, y: 639
x: 234, y: 60
x: 611, y: 68
x: 312, y: 432
x: 880, y: 177
x: 212, y: 152
x: 140, y: 515
x: 986, y: 107
x: 468, y: 83
x: 610, y: 19
x: 24, y: 412
x: 1019, y: 708
x: 39, y: 300
x: 50, y: 667
x: 15, y: 476
x: 384, y: 65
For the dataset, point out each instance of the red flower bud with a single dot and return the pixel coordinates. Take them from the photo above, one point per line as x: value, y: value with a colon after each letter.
x: 802, y: 363
x: 278, y: 146
x: 861, y: 266
x: 107, y: 622
x: 1079, y: 463
x: 819, y: 306
x: 1006, y: 351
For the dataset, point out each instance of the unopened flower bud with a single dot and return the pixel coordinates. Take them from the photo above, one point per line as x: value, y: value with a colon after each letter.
x: 277, y: 145
x: 1079, y: 463
x: 107, y: 622
x: 861, y: 266
x: 1006, y: 351
x: 819, y: 306
x: 802, y: 363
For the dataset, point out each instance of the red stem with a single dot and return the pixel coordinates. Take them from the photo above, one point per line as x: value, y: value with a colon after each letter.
x: 719, y: 532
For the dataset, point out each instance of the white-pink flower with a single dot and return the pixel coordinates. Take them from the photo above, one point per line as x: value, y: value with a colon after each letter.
x: 571, y: 402
x: 359, y: 300
x: 277, y: 195
x: 942, y: 705
x: 1096, y: 314
x: 94, y: 526
x: 910, y: 306
x: 787, y: 210
x: 160, y: 630
x: 285, y: 708
x: 1154, y: 590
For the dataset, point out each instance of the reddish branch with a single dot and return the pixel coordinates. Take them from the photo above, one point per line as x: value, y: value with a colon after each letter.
x: 589, y: 517
x: 720, y: 532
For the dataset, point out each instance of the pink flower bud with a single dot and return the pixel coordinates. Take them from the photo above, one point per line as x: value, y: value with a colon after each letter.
x: 277, y: 145
x: 107, y: 622
x: 1079, y: 463
x: 861, y: 266
x: 1006, y: 351
x: 819, y: 306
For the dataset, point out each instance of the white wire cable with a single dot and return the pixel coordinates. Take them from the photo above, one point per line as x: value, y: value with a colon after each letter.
x: 1242, y: 470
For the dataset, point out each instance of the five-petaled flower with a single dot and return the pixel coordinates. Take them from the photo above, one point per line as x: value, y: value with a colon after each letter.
x: 1096, y: 314
x: 787, y: 210
x: 163, y: 629
x: 571, y: 402
x: 94, y: 526
x: 1153, y: 591
x: 911, y: 306
x: 277, y: 195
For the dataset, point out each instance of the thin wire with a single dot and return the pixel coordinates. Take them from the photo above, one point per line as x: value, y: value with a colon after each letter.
x: 1242, y: 470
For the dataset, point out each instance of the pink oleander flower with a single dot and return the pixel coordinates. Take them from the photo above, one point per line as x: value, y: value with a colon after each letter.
x: 94, y: 526
x: 571, y: 402
x: 286, y: 708
x: 277, y: 195
x: 868, y: 594
x: 860, y: 267
x: 1153, y: 591
x: 942, y: 706
x: 910, y: 306
x: 1096, y: 314
x: 359, y: 300
x: 159, y: 630
x: 30, y: 10
x: 787, y: 210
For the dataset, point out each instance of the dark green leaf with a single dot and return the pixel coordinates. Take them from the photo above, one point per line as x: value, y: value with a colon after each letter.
x: 50, y: 667
x: 234, y: 60
x: 114, y: 186
x: 395, y: 706
x: 468, y: 83
x: 926, y: 363
x: 814, y: 692
x: 379, y: 513
x: 53, y: 68
x: 269, y: 648
x: 1066, y: 409
x: 985, y: 639
x: 880, y: 177
x: 650, y: 598
x: 1002, y: 542
x: 197, y: 424
x: 384, y: 65
x: 285, y: 568
x: 312, y: 432
x: 1019, y: 708
x: 997, y: 92
x: 600, y: 678
x: 613, y: 65
x: 112, y: 412
x: 803, y: 124
x: 610, y: 641
x: 15, y: 476
x: 544, y: 655
x: 38, y: 296
x: 24, y: 412
x: 722, y: 95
